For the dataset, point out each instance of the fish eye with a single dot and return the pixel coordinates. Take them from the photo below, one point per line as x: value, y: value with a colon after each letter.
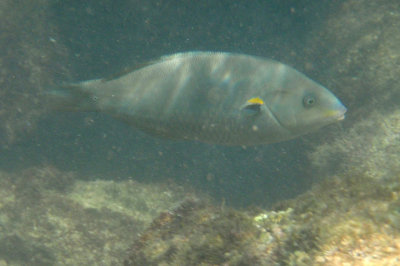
x: 309, y: 101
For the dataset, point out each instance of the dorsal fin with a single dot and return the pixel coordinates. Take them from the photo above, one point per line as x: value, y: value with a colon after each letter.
x: 129, y: 69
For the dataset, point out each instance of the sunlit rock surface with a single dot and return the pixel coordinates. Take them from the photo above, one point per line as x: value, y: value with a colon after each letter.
x: 48, y: 218
x: 350, y: 220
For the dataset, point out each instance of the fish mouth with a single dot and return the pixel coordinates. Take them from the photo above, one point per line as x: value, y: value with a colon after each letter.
x: 337, y: 115
x: 342, y: 117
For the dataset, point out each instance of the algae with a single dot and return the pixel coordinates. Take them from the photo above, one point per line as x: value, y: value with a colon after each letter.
x: 357, y: 47
x: 31, y: 59
x: 47, y: 217
x: 345, y: 219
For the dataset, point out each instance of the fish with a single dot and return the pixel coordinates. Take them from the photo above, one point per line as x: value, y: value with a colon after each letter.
x: 214, y: 97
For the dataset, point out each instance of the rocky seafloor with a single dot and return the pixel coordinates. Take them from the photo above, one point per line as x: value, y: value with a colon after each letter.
x: 49, y: 218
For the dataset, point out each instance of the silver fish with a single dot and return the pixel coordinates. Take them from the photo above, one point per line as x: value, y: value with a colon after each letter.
x: 213, y: 97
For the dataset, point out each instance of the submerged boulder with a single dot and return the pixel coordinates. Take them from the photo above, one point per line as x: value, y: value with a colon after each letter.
x: 370, y: 148
x: 339, y: 221
x: 30, y: 59
x: 357, y: 47
x: 48, y: 217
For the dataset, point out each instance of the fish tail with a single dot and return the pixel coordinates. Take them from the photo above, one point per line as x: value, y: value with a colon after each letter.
x: 71, y: 97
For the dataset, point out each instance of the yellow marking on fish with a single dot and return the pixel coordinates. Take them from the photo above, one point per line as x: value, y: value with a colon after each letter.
x: 333, y: 113
x: 255, y: 100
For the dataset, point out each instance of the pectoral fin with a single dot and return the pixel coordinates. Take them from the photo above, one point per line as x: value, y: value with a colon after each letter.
x: 253, y: 106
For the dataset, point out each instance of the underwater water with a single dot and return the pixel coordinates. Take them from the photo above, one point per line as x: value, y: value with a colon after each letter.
x: 82, y: 188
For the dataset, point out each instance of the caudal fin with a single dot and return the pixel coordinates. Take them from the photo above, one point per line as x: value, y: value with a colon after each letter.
x: 70, y: 97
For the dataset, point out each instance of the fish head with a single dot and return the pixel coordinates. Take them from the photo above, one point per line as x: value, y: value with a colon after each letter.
x: 303, y: 105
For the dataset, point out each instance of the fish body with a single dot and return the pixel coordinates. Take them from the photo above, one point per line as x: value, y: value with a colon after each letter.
x: 213, y: 97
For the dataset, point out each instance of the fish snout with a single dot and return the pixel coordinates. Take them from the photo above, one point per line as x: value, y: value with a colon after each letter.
x: 337, y: 113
